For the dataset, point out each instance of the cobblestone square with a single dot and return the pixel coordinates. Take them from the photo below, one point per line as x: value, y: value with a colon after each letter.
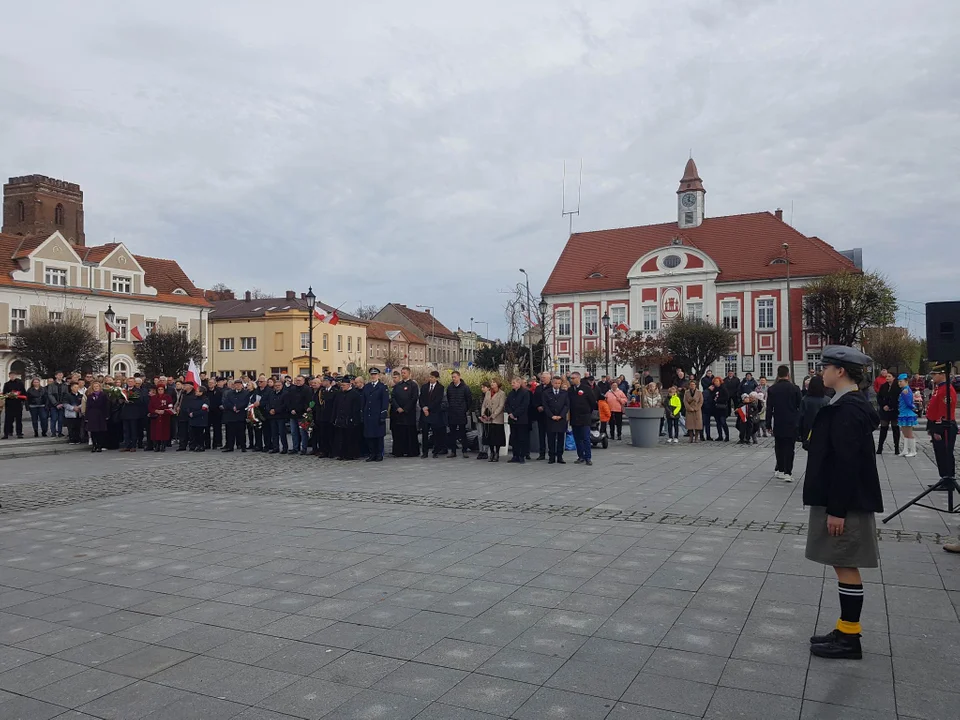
x: 663, y: 583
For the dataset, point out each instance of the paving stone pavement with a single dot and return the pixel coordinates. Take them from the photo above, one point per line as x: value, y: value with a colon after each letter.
x: 658, y: 584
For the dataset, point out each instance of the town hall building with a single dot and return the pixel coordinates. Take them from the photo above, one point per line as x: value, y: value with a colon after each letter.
x: 735, y: 270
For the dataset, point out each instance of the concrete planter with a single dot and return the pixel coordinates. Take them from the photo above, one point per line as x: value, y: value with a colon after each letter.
x: 644, y: 426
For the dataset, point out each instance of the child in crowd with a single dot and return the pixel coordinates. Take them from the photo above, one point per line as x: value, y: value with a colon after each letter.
x: 671, y: 412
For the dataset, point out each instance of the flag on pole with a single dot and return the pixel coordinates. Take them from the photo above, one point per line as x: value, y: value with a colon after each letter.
x: 193, y: 373
x: 334, y: 319
x: 319, y: 314
x: 111, y: 327
x: 139, y: 332
x: 623, y: 327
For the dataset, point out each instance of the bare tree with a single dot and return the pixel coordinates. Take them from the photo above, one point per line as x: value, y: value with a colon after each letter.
x: 259, y: 294
x: 366, y: 312
x: 523, y: 318
x: 220, y: 291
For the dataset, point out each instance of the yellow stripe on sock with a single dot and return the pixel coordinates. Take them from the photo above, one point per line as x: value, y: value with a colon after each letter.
x: 848, y: 628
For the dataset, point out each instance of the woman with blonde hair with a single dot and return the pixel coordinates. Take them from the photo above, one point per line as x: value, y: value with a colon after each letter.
x: 693, y: 404
x: 491, y: 415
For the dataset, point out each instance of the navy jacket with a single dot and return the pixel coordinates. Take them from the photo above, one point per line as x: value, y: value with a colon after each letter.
x: 555, y: 404
x: 197, y: 416
x: 376, y: 400
x: 518, y: 405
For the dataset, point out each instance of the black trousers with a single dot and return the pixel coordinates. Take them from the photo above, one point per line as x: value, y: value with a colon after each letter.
x: 278, y: 434
x: 236, y: 436
x: 197, y: 435
x: 257, y: 433
x: 555, y: 442
x: 346, y: 442
x: 183, y: 434
x: 131, y: 434
x: 143, y: 433
x: 458, y: 431
x: 405, y: 440
x: 437, y: 435
x: 73, y: 429
x: 943, y: 448
x: 216, y: 426
x: 266, y: 430
x: 723, y: 429
x: 542, y: 437
x: 520, y: 439
x: 616, y: 424
x: 784, y: 449
x: 324, y: 431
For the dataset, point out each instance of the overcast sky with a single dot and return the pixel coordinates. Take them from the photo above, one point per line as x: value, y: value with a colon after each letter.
x: 412, y: 151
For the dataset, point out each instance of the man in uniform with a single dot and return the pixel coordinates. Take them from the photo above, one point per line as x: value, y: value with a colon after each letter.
x: 328, y: 393
x: 376, y: 402
x: 403, y: 415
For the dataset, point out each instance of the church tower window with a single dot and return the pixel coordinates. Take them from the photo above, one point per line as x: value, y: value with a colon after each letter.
x: 58, y: 214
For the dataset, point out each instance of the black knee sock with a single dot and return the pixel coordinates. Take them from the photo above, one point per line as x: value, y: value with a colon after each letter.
x: 851, y: 603
x: 896, y: 438
x: 883, y: 437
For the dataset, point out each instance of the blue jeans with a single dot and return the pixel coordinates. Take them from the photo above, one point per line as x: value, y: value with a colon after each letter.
x: 299, y: 436
x: 38, y: 417
x: 56, y: 420
x: 278, y: 434
x: 581, y: 434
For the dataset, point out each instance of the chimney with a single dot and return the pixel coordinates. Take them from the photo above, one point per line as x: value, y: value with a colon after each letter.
x: 779, y: 214
x: 291, y: 295
x: 246, y: 296
x: 427, y: 311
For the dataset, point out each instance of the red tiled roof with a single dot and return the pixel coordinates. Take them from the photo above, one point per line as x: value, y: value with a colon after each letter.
x: 163, y: 275
x: 259, y: 307
x: 378, y: 331
x: 426, y: 323
x: 742, y: 246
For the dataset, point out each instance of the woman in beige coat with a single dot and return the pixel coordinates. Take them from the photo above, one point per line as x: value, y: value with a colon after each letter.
x: 693, y: 404
x: 491, y: 414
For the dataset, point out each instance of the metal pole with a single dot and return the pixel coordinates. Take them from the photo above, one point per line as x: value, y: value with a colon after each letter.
x: 606, y: 343
x: 786, y: 253
x: 529, y: 321
x: 109, y: 350
x: 310, y: 343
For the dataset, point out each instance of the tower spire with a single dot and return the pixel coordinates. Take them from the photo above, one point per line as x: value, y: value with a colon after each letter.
x: 690, y: 196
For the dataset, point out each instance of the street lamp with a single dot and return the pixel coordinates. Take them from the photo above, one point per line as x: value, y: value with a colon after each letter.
x: 109, y: 316
x: 543, y: 333
x: 311, y: 304
x: 433, y: 330
x: 606, y: 342
x: 529, y: 321
x: 786, y: 256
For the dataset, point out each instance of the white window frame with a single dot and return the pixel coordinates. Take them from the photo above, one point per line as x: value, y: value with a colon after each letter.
x: 765, y: 365
x: 55, y: 316
x: 305, y: 341
x: 151, y: 325
x: 339, y: 343
x: 248, y: 344
x: 730, y: 322
x: 53, y: 276
x: 564, y: 322
x: 183, y: 329
x: 121, y: 284
x: 326, y: 342
x: 813, y: 359
x: 227, y: 344
x: 18, y: 319
x: 731, y: 362
x: 618, y: 315
x: 651, y: 317
x: 766, y: 312
x: 694, y: 310
x: 563, y: 365
x: 349, y: 343
x: 594, y: 313
x: 123, y: 326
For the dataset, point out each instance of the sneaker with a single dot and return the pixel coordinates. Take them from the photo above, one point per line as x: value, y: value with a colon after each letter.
x: 787, y: 477
x: 778, y: 475
x: 842, y: 647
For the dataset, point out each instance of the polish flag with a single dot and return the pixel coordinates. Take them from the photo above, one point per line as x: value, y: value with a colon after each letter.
x: 193, y: 373
x: 111, y: 327
x: 319, y: 314
x: 139, y: 332
x: 623, y: 327
x: 334, y: 319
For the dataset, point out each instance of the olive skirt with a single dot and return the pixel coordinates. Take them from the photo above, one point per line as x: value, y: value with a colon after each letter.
x: 856, y: 548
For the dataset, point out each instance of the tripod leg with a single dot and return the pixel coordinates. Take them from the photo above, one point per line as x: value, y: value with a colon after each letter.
x: 917, y: 499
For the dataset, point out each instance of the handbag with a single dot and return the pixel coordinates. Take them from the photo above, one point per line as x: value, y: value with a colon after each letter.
x: 69, y: 413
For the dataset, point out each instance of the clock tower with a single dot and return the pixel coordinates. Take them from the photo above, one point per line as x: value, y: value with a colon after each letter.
x: 690, y: 210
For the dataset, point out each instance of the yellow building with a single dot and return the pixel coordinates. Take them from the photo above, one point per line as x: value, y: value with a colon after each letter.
x: 272, y: 335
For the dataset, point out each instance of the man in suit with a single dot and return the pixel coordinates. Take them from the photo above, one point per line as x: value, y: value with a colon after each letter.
x: 234, y: 406
x: 732, y: 385
x: 432, y: 410
x: 539, y: 414
x: 583, y: 403
x: 783, y: 416
x: 376, y: 402
x: 13, y: 409
x: 403, y: 415
x: 556, y: 406
x: 459, y: 405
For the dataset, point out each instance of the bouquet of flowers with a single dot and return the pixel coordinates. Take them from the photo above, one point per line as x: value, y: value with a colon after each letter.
x: 255, y: 416
x: 306, y: 420
x: 14, y: 395
x: 114, y: 393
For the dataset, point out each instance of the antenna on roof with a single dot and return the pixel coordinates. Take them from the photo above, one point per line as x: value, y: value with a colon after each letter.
x: 563, y: 206
x: 791, y: 214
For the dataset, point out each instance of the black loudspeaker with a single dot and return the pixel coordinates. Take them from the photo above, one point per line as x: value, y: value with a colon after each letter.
x: 943, y: 331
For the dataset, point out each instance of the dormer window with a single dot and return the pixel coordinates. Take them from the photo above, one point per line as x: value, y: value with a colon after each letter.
x: 179, y: 291
x: 595, y: 276
x: 55, y: 276
x: 122, y: 284
x: 778, y: 261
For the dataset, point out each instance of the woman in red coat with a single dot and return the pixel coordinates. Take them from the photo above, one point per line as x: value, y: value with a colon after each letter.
x: 159, y: 410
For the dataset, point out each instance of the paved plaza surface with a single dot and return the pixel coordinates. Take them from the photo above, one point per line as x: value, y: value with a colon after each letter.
x: 658, y: 584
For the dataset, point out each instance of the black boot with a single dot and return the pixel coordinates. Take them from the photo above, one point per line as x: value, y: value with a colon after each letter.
x: 821, y: 639
x: 896, y: 440
x: 842, y: 647
x: 883, y: 437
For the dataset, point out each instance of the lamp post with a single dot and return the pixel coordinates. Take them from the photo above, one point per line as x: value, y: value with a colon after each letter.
x: 786, y: 256
x: 433, y: 329
x: 606, y: 343
x: 109, y: 316
x: 529, y: 321
x: 543, y: 333
x: 311, y: 304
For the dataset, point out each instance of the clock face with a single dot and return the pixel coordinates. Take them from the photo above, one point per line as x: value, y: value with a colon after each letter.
x: 688, y: 200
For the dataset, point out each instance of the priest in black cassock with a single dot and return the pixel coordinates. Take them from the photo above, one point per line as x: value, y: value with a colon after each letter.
x: 403, y: 415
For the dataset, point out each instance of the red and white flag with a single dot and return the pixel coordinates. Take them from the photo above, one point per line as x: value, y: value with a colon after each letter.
x: 111, y: 327
x: 334, y: 319
x: 139, y: 332
x: 193, y: 373
x: 623, y: 327
x: 319, y: 314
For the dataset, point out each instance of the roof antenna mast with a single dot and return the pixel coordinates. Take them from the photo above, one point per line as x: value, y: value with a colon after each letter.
x: 563, y: 207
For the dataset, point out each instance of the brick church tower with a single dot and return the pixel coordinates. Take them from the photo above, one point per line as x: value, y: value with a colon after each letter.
x: 39, y: 205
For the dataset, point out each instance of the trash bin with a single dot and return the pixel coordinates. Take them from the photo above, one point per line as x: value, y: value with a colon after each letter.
x: 644, y: 426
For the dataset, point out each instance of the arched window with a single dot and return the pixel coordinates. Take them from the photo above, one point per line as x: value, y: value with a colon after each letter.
x: 21, y: 211
x: 121, y: 368
x: 58, y: 214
